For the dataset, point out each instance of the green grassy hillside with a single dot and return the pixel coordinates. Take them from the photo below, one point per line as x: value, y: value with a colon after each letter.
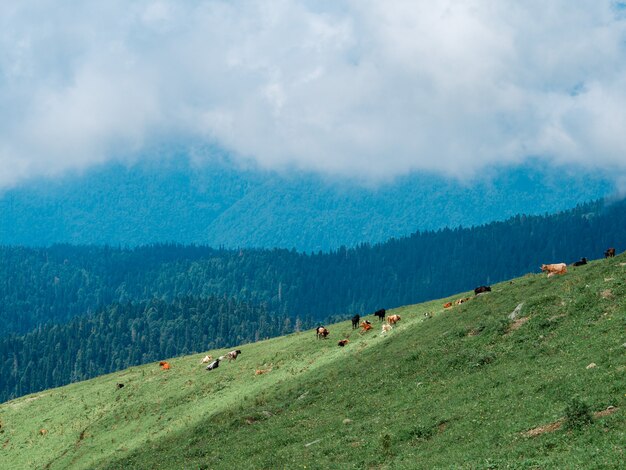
x: 459, y: 390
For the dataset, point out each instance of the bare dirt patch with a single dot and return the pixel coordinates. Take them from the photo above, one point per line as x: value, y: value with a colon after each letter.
x: 517, y: 324
x: 558, y: 424
x: 609, y: 411
x: 606, y: 294
x: 545, y: 428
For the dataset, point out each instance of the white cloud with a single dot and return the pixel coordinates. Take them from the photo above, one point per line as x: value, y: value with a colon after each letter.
x: 365, y: 88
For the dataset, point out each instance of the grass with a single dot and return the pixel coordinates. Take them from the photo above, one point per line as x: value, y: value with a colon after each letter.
x: 459, y: 390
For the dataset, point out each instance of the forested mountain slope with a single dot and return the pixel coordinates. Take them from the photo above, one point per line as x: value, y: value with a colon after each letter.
x: 527, y: 376
x: 128, y: 334
x: 50, y: 286
x: 220, y: 205
x: 39, y: 285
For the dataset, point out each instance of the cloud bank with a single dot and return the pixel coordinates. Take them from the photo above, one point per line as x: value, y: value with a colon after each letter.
x: 354, y: 87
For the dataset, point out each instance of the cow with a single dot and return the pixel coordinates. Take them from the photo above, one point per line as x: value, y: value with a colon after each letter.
x: 461, y: 301
x: 582, y: 262
x: 482, y: 290
x: 43, y: 432
x: 164, y: 365
x: 355, y: 321
x: 233, y: 355
x: 393, y: 319
x: 119, y: 385
x: 321, y: 332
x: 343, y: 342
x: 213, y: 365
x: 428, y: 315
x: 386, y: 328
x: 447, y: 305
x: 552, y: 269
x: 206, y: 359
x: 610, y: 253
x: 366, y: 326
x: 380, y: 314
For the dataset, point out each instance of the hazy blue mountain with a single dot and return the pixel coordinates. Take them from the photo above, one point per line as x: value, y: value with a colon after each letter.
x: 220, y: 205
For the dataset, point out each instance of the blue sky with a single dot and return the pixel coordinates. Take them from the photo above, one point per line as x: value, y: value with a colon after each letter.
x: 365, y: 88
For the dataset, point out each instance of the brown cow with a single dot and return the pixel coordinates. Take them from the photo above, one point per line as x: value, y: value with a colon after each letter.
x: 321, y: 332
x: 343, y: 342
x: 366, y: 325
x: 233, y: 355
x: 393, y: 319
x: 552, y: 269
x: 164, y: 365
x: 610, y: 253
x: 447, y: 305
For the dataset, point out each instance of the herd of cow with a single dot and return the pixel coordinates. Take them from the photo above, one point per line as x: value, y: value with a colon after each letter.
x: 321, y: 332
x: 214, y: 364
x: 561, y: 268
x: 550, y: 269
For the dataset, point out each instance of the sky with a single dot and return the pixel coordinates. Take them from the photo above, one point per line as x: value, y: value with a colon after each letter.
x: 373, y: 89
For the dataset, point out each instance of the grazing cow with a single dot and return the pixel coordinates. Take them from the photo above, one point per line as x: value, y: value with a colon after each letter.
x: 482, y: 289
x: 447, y: 305
x: 582, y: 262
x: 610, y: 253
x: 119, y: 385
x: 355, y: 321
x: 321, y: 332
x: 380, y: 314
x: 461, y: 301
x: 206, y: 359
x: 393, y: 319
x: 552, y: 269
x: 386, y: 328
x: 343, y: 342
x: 366, y: 325
x: 164, y: 365
x: 233, y: 355
x: 213, y: 365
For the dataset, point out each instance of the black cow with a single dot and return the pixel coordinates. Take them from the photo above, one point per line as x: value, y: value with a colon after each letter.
x: 355, y: 321
x: 380, y: 314
x: 213, y: 365
x: 582, y: 262
x: 610, y: 253
x: 482, y: 289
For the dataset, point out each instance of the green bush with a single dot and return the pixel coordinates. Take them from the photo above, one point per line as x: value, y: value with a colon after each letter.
x: 577, y: 414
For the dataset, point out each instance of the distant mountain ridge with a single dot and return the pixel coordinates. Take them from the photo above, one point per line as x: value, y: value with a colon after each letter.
x: 219, y: 205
